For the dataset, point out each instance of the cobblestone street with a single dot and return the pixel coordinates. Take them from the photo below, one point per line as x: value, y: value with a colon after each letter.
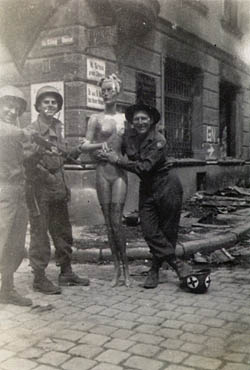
x: 100, y: 328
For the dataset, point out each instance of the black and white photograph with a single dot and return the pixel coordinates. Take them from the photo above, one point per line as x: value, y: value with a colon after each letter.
x: 124, y: 184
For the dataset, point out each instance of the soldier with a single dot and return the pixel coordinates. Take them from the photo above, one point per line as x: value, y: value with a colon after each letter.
x: 47, y: 197
x: 13, y: 212
x: 160, y: 195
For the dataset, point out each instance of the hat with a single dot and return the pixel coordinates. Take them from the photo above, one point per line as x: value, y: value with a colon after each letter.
x: 198, y: 281
x: 152, y: 112
x: 44, y: 90
x: 14, y: 92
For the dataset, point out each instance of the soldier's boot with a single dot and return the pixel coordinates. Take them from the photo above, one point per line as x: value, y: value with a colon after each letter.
x: 182, y: 268
x: 69, y: 278
x: 43, y: 285
x: 8, y: 295
x: 152, y: 278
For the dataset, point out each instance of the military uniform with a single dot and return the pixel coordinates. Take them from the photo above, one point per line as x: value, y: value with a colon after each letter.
x: 13, y: 211
x: 160, y: 193
x: 47, y: 197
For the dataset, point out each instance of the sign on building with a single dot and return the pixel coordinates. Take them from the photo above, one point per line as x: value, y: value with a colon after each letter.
x: 96, y: 69
x: 101, y: 36
x: 33, y: 91
x: 94, y: 97
x: 211, y: 135
x: 57, y: 41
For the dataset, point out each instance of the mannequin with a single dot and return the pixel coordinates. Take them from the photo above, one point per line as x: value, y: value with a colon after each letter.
x: 105, y: 132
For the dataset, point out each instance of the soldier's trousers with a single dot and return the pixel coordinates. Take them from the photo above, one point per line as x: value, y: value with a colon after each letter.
x: 160, y: 209
x: 13, y: 226
x: 54, y: 221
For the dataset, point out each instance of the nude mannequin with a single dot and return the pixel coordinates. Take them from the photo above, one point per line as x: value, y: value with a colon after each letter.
x: 105, y: 131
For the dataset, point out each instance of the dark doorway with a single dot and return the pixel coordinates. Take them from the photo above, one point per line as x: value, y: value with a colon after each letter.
x: 227, y: 124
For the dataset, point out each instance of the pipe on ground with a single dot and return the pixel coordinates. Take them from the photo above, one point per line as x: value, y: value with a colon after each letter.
x: 226, y: 240
x: 141, y: 251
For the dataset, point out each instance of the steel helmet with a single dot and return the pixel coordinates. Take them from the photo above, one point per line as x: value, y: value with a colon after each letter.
x: 198, y: 281
x: 14, y: 92
x: 48, y: 90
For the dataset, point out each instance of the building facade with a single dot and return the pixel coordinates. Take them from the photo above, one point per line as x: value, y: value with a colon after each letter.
x: 189, y: 58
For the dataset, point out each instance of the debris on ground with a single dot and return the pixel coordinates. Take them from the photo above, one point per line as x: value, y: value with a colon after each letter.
x: 42, y: 308
x: 204, y: 216
x: 221, y: 256
x: 219, y: 211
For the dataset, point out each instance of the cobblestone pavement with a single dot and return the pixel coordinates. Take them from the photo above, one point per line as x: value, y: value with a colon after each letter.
x: 103, y: 328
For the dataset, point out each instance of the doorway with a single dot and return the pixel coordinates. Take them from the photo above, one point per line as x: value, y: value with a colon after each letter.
x: 227, y: 120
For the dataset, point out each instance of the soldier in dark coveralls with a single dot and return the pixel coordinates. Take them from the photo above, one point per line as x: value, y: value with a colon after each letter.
x: 13, y: 212
x: 160, y: 195
x: 47, y: 197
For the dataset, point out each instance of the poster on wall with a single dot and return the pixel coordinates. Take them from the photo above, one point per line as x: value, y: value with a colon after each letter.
x: 94, y: 97
x: 33, y: 91
x: 96, y: 69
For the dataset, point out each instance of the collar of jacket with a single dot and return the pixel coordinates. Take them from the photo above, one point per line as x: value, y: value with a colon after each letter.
x: 148, y: 138
x: 45, y: 128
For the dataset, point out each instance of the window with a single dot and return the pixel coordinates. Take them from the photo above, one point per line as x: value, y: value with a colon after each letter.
x: 230, y: 20
x: 179, y: 79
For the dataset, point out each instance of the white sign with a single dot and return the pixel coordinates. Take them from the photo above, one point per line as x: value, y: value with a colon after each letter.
x: 53, y: 41
x: 33, y: 91
x: 57, y: 41
x: 94, y: 97
x: 210, y: 150
x: 95, y: 69
x: 67, y: 40
x: 211, y: 134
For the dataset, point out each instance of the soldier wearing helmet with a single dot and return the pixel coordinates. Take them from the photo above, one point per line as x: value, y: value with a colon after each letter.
x: 13, y: 212
x: 46, y: 188
x: 48, y: 90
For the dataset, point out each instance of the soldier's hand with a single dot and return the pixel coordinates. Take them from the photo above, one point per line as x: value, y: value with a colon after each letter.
x: 49, y: 152
x: 110, y: 156
x: 105, y: 147
x: 30, y: 133
x: 99, y: 155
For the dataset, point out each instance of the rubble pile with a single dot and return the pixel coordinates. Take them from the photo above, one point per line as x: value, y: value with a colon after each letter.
x: 213, y: 230
x: 206, y: 215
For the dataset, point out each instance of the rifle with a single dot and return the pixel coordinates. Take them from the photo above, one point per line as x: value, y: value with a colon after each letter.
x: 39, y: 140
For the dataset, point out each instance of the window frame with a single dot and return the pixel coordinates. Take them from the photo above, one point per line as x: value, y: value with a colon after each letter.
x: 183, y: 148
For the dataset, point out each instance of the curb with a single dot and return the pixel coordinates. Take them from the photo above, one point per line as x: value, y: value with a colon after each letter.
x: 140, y: 250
